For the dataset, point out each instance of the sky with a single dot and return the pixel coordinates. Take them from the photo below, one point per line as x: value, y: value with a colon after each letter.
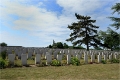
x: 36, y: 23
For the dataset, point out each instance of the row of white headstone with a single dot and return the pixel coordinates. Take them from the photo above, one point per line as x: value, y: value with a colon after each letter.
x: 48, y: 57
x: 30, y: 51
x: 23, y: 49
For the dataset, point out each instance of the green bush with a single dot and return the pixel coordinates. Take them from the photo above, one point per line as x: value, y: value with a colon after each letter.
x: 103, y: 61
x: 3, y: 54
x: 75, y: 61
x: 3, y: 63
x: 114, y: 61
x: 56, y: 63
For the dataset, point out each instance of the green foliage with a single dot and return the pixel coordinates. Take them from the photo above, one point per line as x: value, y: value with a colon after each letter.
x: 56, y: 63
x: 116, y: 8
x: 114, y: 61
x: 59, y: 45
x: 49, y: 46
x: 65, y: 46
x: 75, y: 61
x: 3, y: 54
x: 110, y: 39
x: 78, y: 47
x: 98, y: 48
x: 84, y: 32
x: 3, y: 63
x: 3, y: 44
x: 103, y: 61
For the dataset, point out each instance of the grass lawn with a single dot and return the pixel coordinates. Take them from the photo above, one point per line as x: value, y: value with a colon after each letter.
x: 82, y: 72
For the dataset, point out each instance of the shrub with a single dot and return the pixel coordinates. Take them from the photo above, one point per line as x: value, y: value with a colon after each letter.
x: 114, y: 61
x: 3, y: 54
x: 103, y: 61
x: 56, y: 63
x: 75, y: 61
x: 3, y: 63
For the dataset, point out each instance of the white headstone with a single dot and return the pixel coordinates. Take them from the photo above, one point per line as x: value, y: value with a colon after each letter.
x: 11, y: 58
x: 68, y: 59
x: 24, y: 59
x: 99, y: 58
x: 110, y: 57
x: 59, y: 57
x: 93, y: 58
x: 29, y: 55
x: 86, y: 58
x: 19, y: 55
x: 74, y: 54
x: 55, y: 54
x: 37, y: 58
x: 78, y: 56
x: 116, y: 56
x: 49, y: 59
x: 105, y: 57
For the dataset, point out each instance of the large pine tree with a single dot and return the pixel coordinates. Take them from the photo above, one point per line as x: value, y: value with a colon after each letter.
x: 84, y: 32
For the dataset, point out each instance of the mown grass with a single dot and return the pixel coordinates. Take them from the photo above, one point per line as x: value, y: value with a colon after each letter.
x: 88, y: 71
x: 67, y: 72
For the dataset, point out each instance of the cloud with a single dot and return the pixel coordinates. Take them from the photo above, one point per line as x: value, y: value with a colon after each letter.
x: 39, y: 22
x: 80, y: 6
x: 43, y: 25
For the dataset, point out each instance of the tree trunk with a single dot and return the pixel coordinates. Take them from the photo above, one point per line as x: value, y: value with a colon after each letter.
x: 87, y: 42
x: 87, y: 47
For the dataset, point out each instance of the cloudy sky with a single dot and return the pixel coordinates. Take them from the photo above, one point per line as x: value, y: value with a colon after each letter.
x: 35, y: 23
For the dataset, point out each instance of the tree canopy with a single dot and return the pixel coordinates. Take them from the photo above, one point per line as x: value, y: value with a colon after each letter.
x: 116, y: 20
x: 110, y: 38
x: 84, y: 32
x: 3, y: 44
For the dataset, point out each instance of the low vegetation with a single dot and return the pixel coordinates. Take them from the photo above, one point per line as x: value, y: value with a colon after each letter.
x: 83, y: 72
x: 56, y: 63
x: 75, y: 61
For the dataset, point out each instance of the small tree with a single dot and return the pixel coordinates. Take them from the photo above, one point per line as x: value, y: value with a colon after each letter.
x: 59, y: 45
x: 65, y: 46
x: 3, y: 44
x: 49, y: 46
